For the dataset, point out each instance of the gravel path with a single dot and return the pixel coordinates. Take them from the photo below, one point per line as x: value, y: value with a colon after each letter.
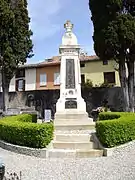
x: 121, y: 166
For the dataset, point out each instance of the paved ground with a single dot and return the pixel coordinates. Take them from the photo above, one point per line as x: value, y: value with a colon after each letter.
x: 121, y: 166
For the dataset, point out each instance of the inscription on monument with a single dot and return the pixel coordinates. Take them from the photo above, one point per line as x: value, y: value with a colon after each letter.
x: 71, y: 104
x: 70, y: 74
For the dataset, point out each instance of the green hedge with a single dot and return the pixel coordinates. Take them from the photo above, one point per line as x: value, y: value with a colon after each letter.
x: 118, y: 128
x: 33, y: 116
x: 21, y: 131
x: 112, y: 115
x: 108, y: 116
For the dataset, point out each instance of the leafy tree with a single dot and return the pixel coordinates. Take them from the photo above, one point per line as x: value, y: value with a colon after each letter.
x: 114, y: 38
x: 15, y: 43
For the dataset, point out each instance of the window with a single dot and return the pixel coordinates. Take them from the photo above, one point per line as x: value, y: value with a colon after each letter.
x: 20, y: 85
x: 57, y: 78
x: 105, y: 62
x: 82, y: 64
x: 43, y: 80
x: 109, y: 77
x: 20, y: 73
x: 49, y: 60
x: 82, y: 78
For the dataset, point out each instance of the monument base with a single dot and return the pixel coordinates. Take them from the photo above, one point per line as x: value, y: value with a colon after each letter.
x: 72, y: 117
x: 76, y: 104
x: 71, y: 111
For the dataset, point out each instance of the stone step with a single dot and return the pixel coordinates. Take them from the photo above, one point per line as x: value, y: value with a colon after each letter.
x: 60, y: 153
x: 90, y: 153
x: 73, y: 122
x: 71, y: 115
x: 75, y: 119
x: 87, y: 131
x: 75, y: 127
x: 72, y: 137
x: 73, y: 145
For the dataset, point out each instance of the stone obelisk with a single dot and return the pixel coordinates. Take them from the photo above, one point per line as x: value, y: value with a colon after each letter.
x: 72, y: 125
x: 70, y: 101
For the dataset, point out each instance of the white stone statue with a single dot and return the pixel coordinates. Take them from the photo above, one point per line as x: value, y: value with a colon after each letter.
x: 69, y: 37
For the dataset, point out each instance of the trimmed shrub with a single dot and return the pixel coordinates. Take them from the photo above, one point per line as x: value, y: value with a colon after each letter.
x: 33, y: 116
x: 108, y: 116
x: 21, y: 131
x: 119, y: 128
x: 112, y: 115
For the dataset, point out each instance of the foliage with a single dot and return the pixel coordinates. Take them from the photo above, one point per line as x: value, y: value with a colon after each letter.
x: 113, y: 29
x: 111, y: 115
x: 15, y: 43
x: 106, y: 85
x: 21, y: 131
x: 34, y: 117
x: 87, y: 84
x: 114, y: 38
x: 115, y: 128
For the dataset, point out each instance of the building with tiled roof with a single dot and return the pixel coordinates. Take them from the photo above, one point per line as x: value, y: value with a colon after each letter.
x: 46, y: 74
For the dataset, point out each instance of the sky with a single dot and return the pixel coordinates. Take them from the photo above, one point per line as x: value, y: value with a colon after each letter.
x: 47, y: 23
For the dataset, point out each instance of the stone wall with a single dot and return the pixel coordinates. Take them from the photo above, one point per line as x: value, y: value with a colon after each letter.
x: 95, y: 97
x: 47, y: 99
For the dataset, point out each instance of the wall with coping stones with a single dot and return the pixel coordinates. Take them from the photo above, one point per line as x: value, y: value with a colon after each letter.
x: 47, y: 99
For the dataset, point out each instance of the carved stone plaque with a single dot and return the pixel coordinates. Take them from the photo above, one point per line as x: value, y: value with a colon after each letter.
x: 70, y: 74
x: 70, y: 104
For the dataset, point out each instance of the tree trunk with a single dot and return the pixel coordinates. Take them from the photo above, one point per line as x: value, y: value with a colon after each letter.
x: 5, y: 98
x: 124, y: 84
x: 130, y: 66
x: 5, y: 89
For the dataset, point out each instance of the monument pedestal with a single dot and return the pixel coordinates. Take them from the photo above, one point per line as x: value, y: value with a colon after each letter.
x: 66, y: 104
x: 72, y: 125
x: 70, y: 105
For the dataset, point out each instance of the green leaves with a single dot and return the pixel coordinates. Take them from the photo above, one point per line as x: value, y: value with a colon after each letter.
x: 21, y: 131
x: 114, y: 38
x: 118, y: 128
x: 16, y: 45
x: 114, y: 27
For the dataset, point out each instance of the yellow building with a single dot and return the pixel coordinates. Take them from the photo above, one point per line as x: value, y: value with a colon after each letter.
x: 46, y: 75
x: 99, y: 72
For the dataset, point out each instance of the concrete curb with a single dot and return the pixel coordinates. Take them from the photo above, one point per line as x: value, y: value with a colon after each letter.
x: 24, y: 150
x: 109, y: 151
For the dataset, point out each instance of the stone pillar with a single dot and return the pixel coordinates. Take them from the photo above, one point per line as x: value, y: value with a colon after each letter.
x: 70, y: 86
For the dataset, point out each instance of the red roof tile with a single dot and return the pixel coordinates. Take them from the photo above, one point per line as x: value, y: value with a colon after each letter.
x: 55, y: 60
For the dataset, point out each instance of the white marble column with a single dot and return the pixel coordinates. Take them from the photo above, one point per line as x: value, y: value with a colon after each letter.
x: 69, y: 50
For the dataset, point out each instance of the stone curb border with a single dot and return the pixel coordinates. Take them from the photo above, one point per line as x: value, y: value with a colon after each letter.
x: 109, y: 151
x: 41, y: 153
